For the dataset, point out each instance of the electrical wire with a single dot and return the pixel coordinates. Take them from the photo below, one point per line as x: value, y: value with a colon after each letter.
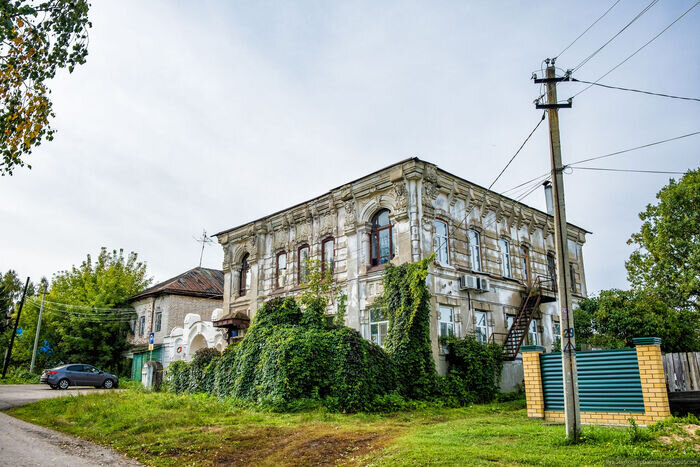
x: 639, y: 15
x: 634, y: 90
x: 632, y: 149
x: 629, y: 170
x: 635, y: 52
x: 587, y: 29
x: 518, y: 151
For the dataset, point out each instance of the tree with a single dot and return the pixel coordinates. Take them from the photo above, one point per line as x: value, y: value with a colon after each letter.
x: 667, y: 259
x: 37, y: 38
x: 81, y: 300
x: 10, y: 292
x: 615, y: 317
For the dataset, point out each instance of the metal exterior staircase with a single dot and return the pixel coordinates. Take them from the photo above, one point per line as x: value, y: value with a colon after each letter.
x: 521, y: 323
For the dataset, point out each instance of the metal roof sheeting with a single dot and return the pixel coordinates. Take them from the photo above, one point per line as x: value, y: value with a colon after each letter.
x: 197, y: 282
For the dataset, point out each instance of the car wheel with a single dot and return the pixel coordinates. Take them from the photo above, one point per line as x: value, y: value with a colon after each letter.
x: 54, y: 386
x: 108, y: 384
x: 63, y: 384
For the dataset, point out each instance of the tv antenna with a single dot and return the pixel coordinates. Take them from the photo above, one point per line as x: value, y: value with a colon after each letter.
x: 204, y: 240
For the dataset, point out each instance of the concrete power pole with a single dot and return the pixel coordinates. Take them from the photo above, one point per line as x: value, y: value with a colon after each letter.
x: 566, y: 316
x: 38, y: 330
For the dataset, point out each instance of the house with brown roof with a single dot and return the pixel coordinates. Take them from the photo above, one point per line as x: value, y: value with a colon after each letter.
x: 188, y: 298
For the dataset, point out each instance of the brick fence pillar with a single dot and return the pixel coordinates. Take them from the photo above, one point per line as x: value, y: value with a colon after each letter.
x: 533, y: 380
x: 651, y: 373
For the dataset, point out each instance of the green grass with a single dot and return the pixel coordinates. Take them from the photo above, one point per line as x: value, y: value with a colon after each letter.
x: 166, y: 429
x: 15, y: 376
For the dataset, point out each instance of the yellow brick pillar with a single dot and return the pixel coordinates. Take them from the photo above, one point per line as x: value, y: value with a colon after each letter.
x: 651, y: 373
x: 533, y: 380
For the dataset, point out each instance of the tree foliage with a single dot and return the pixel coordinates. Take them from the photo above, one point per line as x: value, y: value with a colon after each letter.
x: 37, y: 37
x: 86, y: 331
x: 667, y: 259
x: 615, y: 317
x: 475, y: 371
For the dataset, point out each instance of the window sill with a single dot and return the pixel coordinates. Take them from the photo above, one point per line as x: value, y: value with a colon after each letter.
x: 379, y: 267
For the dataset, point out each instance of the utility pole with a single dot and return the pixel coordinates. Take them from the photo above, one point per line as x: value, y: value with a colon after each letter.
x: 204, y: 240
x: 8, y: 355
x: 566, y: 317
x: 38, y: 330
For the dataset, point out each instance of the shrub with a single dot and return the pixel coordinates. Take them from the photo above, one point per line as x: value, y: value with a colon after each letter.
x: 475, y: 370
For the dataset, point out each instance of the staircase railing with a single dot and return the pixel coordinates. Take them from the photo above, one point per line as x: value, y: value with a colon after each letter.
x: 521, y: 323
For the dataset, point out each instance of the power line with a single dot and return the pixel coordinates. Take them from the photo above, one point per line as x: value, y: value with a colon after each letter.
x: 633, y: 149
x: 634, y: 90
x: 639, y: 15
x: 518, y: 151
x: 628, y: 170
x: 636, y: 51
x: 587, y: 29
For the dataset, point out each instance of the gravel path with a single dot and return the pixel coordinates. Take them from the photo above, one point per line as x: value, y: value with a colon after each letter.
x: 24, y: 444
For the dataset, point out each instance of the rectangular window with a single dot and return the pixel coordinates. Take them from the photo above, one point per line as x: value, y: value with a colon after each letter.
x: 509, y: 322
x: 552, y: 270
x: 525, y: 262
x: 572, y: 277
x: 281, y: 273
x: 475, y: 249
x: 303, y: 265
x: 328, y: 253
x: 440, y: 242
x: 378, y: 327
x: 142, y: 325
x: 159, y: 321
x: 556, y: 333
x: 481, y: 326
x: 504, y: 246
x: 446, y: 322
x: 533, y: 334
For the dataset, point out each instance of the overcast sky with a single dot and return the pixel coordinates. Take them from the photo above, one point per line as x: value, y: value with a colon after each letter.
x: 205, y: 115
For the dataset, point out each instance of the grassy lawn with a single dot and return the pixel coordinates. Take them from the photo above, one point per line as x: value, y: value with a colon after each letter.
x: 165, y: 429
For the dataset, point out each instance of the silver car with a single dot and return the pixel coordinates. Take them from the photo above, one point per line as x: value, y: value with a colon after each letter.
x: 78, y: 375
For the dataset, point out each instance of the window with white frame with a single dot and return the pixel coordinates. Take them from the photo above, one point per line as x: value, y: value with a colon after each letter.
x: 378, y: 326
x: 475, y: 249
x: 556, y: 333
x: 509, y: 322
x: 440, y: 242
x: 328, y: 254
x: 446, y: 322
x: 303, y: 263
x: 142, y: 325
x: 159, y: 321
x: 533, y: 334
x: 504, y: 246
x: 481, y: 326
x: 281, y: 270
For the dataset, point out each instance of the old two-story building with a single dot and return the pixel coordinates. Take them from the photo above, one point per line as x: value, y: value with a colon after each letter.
x: 491, y: 253
x: 178, y: 312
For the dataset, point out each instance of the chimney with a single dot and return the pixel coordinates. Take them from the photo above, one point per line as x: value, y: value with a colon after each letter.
x: 548, y: 197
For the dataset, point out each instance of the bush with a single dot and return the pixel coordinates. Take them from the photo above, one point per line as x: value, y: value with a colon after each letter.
x: 475, y: 370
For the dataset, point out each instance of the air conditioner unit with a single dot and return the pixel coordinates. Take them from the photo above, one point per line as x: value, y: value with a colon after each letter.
x: 468, y: 282
x: 483, y: 283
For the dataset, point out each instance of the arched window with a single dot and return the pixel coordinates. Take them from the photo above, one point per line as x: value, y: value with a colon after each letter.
x: 381, y: 241
x: 440, y: 242
x: 328, y: 254
x: 281, y: 270
x: 303, y: 263
x: 243, y: 279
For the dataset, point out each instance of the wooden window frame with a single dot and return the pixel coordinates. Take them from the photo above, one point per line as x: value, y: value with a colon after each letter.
x: 504, y: 242
x: 323, y: 254
x: 525, y: 260
x: 159, y: 322
x: 243, y: 276
x: 374, y: 233
x: 277, y: 267
x: 299, y: 265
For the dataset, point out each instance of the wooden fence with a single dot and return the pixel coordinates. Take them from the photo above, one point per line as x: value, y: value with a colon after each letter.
x: 682, y: 371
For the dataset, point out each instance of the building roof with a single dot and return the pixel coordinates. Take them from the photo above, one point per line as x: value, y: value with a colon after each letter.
x: 197, y: 282
x: 416, y: 159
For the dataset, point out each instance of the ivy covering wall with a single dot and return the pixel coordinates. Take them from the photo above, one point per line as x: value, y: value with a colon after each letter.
x: 291, y: 358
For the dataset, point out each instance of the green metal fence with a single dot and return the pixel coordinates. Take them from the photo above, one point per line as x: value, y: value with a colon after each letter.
x: 608, y: 381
